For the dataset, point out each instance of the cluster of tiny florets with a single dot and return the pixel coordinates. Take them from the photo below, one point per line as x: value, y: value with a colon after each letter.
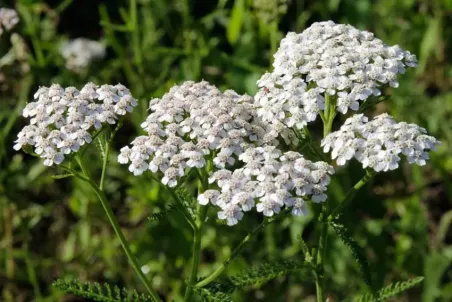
x: 268, y: 181
x: 283, y: 101
x: 380, y: 143
x: 64, y: 119
x: 327, y: 58
x: 190, y: 124
x: 80, y: 52
x: 8, y: 19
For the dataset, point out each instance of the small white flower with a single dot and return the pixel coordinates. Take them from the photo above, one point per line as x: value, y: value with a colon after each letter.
x: 231, y: 213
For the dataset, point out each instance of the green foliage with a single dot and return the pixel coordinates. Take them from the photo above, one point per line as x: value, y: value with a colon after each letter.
x: 159, y: 215
x: 357, y: 251
x: 389, y: 291
x: 212, y: 296
x: 61, y: 176
x: 266, y: 272
x: 186, y: 200
x: 100, y: 292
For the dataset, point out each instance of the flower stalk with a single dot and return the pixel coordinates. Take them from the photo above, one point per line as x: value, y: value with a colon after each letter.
x: 197, y: 237
x: 112, y: 218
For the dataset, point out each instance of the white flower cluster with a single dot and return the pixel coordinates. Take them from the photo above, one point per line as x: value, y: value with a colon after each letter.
x: 80, y: 52
x: 190, y: 123
x: 8, y: 19
x: 378, y: 144
x: 63, y: 119
x: 268, y: 180
x: 329, y: 58
x: 283, y: 101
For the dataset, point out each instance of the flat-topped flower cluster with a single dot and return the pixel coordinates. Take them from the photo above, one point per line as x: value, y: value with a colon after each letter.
x: 380, y: 143
x: 188, y: 125
x: 327, y: 58
x: 64, y: 119
x: 269, y: 180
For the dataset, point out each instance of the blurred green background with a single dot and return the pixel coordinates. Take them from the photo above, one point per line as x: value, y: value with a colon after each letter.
x: 53, y: 228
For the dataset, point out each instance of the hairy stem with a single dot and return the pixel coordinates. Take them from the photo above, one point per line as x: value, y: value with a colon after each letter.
x: 115, y: 224
x: 351, y: 193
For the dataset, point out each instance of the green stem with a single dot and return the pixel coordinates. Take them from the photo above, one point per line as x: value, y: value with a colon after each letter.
x: 330, y: 114
x: 104, y: 167
x: 319, y: 280
x: 346, y: 200
x: 114, y: 223
x: 237, y: 250
x: 202, y: 213
x: 106, y: 155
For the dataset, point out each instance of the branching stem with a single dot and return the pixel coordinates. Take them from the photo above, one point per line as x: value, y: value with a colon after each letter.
x: 238, y: 249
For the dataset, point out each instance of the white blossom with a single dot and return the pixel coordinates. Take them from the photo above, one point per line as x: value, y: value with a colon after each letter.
x: 191, y: 124
x: 379, y: 144
x: 290, y: 180
x: 326, y: 59
x: 64, y: 119
x: 80, y: 52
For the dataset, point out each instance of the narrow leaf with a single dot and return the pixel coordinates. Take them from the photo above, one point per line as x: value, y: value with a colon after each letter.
x: 235, y: 21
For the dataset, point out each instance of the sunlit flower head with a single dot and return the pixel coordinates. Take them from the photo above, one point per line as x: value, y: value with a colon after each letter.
x: 379, y: 144
x: 64, y: 119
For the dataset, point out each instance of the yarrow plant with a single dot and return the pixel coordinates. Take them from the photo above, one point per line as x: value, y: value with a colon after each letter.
x: 246, y: 153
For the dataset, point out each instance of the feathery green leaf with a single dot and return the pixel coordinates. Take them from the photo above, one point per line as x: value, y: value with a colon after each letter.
x: 186, y: 199
x: 212, y: 296
x: 100, y: 292
x: 61, y: 176
x: 171, y: 209
x: 267, y: 272
x: 389, y: 291
x: 356, y: 250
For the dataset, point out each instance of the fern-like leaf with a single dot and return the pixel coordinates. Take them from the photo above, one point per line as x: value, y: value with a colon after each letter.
x: 212, y: 296
x: 61, y: 176
x: 267, y: 272
x: 186, y: 200
x: 161, y: 214
x: 389, y: 291
x: 356, y: 250
x: 100, y: 292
